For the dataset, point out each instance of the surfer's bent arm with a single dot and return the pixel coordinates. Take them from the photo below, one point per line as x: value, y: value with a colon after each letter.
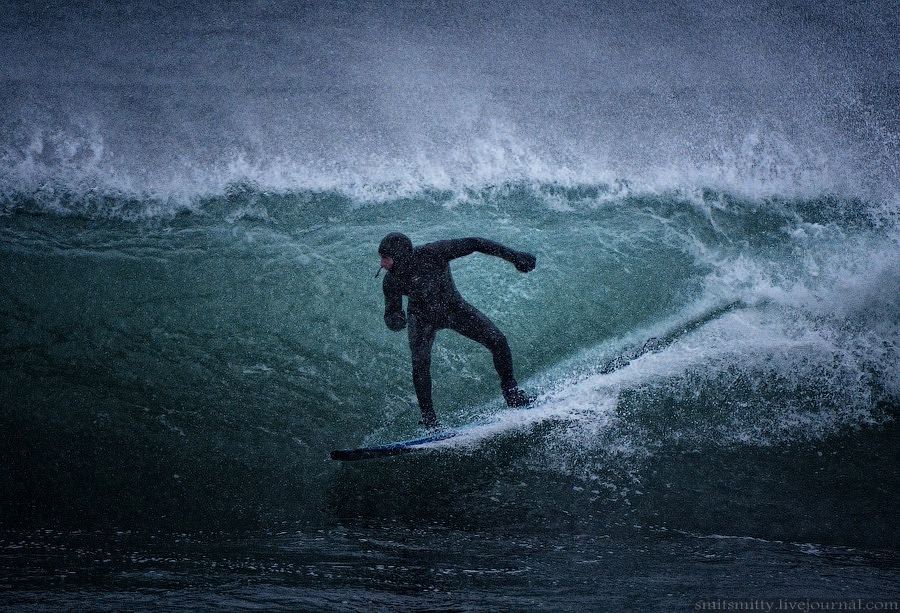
x: 460, y: 247
x: 394, y: 317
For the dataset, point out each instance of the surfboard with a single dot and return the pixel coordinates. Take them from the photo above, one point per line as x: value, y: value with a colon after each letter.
x: 391, y: 449
x: 429, y: 441
x: 652, y: 345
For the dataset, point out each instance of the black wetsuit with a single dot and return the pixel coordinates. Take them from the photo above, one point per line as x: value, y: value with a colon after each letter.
x: 435, y: 303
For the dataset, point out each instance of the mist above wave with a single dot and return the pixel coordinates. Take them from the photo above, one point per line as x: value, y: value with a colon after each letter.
x: 180, y: 100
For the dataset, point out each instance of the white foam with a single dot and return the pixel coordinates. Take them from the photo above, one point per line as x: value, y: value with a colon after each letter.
x: 800, y: 360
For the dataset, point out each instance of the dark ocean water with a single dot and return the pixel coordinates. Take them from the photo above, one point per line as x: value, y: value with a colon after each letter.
x: 191, y: 197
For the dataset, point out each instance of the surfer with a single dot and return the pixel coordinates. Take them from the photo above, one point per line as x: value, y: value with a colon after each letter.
x: 423, y: 275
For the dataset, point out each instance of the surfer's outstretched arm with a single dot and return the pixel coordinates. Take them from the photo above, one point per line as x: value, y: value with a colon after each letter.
x: 460, y: 247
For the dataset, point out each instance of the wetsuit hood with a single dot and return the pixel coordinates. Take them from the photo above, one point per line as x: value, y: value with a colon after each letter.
x: 396, y: 245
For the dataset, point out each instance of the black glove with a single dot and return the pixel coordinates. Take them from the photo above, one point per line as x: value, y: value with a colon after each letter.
x: 395, y: 321
x: 524, y: 262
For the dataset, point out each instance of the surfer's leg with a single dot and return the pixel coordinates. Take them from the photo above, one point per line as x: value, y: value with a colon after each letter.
x: 421, y: 338
x: 473, y: 324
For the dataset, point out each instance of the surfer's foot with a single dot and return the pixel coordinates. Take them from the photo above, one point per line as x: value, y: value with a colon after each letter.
x: 430, y: 425
x: 429, y: 420
x: 516, y: 398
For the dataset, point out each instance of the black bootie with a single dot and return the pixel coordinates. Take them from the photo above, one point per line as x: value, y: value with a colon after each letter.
x: 516, y: 398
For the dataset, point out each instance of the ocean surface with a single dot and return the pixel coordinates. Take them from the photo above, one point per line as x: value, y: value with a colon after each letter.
x: 191, y: 199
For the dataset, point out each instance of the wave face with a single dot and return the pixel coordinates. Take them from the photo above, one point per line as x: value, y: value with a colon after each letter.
x: 216, y: 356
x: 191, y: 197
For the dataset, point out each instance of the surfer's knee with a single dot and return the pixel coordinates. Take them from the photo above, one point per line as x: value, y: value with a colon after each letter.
x: 497, y: 343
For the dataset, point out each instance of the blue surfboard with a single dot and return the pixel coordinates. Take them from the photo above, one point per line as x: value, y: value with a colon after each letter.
x: 652, y: 345
x: 391, y: 449
x: 418, y: 444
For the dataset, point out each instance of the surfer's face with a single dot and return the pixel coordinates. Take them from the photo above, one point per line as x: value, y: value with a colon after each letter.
x: 387, y: 262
